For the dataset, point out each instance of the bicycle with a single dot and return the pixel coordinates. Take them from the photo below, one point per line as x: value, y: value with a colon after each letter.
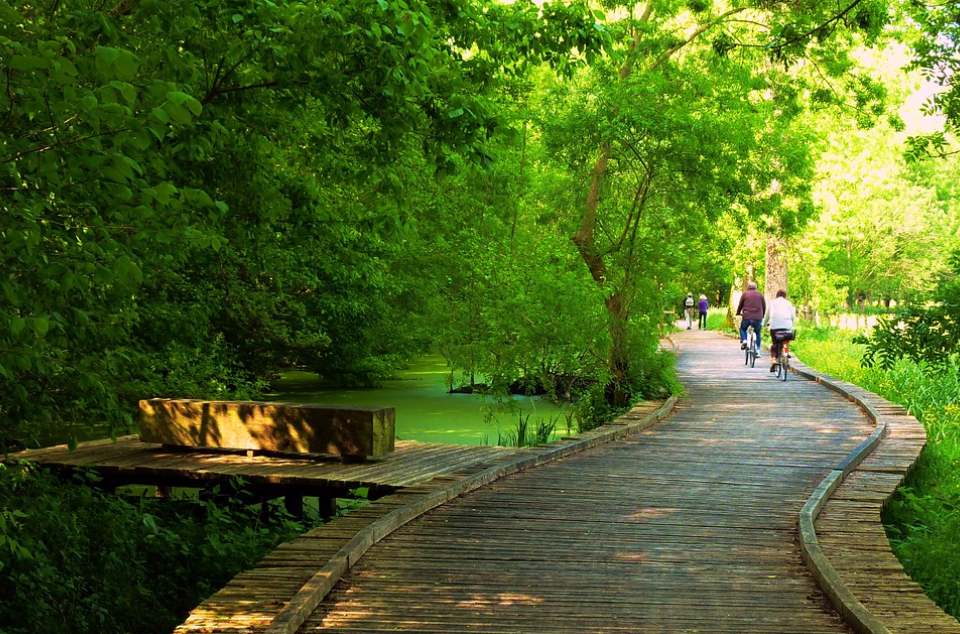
x: 783, y: 358
x: 752, y: 351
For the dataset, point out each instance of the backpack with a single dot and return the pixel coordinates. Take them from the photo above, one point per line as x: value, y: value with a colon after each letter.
x: 688, y: 302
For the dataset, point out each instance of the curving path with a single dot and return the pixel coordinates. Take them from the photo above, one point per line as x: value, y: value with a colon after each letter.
x: 687, y: 527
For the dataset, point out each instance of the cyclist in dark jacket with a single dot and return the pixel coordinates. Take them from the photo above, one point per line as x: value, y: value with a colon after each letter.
x: 752, y: 308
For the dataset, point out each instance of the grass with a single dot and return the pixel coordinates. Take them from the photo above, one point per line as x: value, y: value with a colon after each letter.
x: 923, y: 517
x: 525, y: 435
x: 717, y: 319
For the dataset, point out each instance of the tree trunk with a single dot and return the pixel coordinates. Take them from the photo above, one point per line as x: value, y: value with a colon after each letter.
x: 776, y: 267
x: 732, y: 305
x: 618, y: 389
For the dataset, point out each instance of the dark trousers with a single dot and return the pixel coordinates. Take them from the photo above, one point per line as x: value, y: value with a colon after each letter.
x: 757, y: 329
x: 703, y: 321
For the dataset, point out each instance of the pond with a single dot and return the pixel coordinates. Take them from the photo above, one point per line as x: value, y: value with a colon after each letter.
x: 424, y: 408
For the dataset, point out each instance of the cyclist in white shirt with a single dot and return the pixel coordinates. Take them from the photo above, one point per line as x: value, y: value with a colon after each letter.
x: 781, y: 319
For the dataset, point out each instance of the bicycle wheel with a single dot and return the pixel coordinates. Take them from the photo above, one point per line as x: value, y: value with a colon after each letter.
x: 753, y: 357
x: 784, y: 366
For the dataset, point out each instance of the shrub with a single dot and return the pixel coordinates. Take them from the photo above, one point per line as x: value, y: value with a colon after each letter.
x: 923, y: 333
x: 73, y: 559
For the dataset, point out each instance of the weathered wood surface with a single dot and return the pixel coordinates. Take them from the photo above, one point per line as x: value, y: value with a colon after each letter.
x: 851, y: 537
x: 286, y: 586
x: 352, y: 432
x: 686, y: 527
x: 131, y: 461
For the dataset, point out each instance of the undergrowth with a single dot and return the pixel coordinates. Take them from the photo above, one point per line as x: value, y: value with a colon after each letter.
x: 923, y: 517
x: 74, y: 559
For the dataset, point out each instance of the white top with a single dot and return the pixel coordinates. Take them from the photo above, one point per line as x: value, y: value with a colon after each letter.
x: 781, y: 314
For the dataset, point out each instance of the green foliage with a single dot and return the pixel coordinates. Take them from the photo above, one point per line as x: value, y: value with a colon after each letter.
x: 884, y: 223
x: 927, y: 333
x: 76, y: 560
x: 922, y: 518
x: 197, y: 194
x: 717, y: 320
x: 937, y: 52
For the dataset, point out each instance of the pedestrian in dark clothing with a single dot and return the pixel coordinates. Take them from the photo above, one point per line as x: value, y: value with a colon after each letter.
x: 752, y: 308
x: 704, y: 306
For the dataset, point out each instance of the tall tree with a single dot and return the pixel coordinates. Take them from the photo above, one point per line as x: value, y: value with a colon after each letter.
x: 651, y: 65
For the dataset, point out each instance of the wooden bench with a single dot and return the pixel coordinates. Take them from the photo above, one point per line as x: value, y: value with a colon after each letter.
x: 353, y: 433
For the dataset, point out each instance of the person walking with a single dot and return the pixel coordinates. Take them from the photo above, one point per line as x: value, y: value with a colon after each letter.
x: 752, y: 308
x: 688, y: 304
x: 704, y: 306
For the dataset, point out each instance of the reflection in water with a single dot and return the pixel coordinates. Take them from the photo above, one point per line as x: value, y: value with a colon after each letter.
x: 425, y: 411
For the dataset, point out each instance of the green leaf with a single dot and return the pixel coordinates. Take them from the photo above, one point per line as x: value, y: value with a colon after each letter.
x: 116, y: 62
x: 163, y: 192
x: 177, y: 113
x: 127, y: 272
x: 105, y: 58
x: 40, y: 326
x: 184, y: 100
x: 126, y: 90
x: 17, y: 324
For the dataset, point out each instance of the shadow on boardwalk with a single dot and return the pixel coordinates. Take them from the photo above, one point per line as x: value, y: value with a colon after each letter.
x: 686, y: 527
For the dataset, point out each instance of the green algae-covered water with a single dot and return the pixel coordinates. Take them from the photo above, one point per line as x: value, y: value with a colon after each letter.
x: 425, y: 410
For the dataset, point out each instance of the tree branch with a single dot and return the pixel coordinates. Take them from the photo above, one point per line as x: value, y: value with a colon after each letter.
x: 45, y: 148
x: 696, y: 34
x: 836, y: 18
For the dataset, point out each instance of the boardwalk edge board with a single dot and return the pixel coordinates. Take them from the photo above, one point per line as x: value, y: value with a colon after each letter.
x: 289, y: 619
x: 840, y: 595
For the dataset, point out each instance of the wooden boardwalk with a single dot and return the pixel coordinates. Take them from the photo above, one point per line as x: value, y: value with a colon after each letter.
x: 686, y: 527
x: 286, y: 585
x: 858, y: 565
x: 690, y: 525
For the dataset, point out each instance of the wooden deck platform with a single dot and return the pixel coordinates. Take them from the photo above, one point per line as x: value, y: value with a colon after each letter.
x: 130, y: 461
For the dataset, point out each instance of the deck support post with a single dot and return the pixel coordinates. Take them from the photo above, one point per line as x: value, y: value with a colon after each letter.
x: 327, y: 506
x: 294, y: 505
